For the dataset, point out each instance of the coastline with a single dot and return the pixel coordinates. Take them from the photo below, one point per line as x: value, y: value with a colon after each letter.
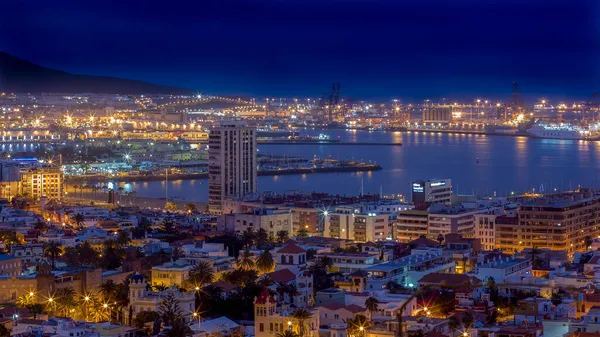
x: 204, y: 175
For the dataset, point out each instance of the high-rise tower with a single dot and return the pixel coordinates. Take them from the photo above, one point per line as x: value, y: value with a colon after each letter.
x: 231, y: 164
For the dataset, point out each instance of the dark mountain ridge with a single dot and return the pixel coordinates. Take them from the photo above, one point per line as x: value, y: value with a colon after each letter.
x: 18, y: 75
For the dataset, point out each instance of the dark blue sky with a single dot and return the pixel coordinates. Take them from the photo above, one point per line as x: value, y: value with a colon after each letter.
x: 376, y: 49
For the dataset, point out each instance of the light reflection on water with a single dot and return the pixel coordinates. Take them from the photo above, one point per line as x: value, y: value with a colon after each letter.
x: 505, y: 164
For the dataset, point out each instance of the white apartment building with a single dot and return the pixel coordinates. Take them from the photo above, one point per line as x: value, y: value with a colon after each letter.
x: 451, y: 219
x: 231, y: 163
x: 271, y: 220
x: 485, y: 230
x: 409, y: 269
x: 344, y: 223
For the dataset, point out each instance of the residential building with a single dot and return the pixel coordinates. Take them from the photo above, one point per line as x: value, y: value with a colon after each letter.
x: 558, y: 222
x: 271, y: 220
x: 431, y: 191
x: 270, y: 320
x: 10, y: 265
x: 33, y: 252
x: 38, y: 182
x: 502, y: 268
x: 345, y: 224
x: 350, y: 262
x: 170, y: 274
x: 142, y: 299
x: 232, y: 163
x: 408, y: 270
x: 485, y: 230
x: 411, y: 224
x: 455, y: 219
x: 336, y: 313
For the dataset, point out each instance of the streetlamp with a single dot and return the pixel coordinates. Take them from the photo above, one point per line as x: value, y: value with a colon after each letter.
x: 290, y: 325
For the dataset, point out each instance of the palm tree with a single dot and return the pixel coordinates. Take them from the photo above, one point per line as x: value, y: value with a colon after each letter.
x: 287, y: 333
x: 160, y: 287
x: 468, y: 320
x: 265, y: 262
x: 79, y: 220
x: 65, y: 299
x: 52, y: 250
x: 246, y: 261
x: 35, y: 309
x: 301, y: 315
x: 371, y: 305
x: 262, y: 237
x: 202, y: 274
x: 302, y: 233
x: 190, y: 208
x: 179, y: 328
x: 358, y: 325
x: 40, y: 226
x: 248, y: 237
x: 108, y: 289
x: 453, y: 324
x: 282, y: 236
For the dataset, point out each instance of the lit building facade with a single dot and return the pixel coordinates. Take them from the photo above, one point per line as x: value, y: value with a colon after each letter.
x: 232, y: 164
x: 48, y: 182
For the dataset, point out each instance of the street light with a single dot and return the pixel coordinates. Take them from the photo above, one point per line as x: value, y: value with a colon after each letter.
x: 290, y: 325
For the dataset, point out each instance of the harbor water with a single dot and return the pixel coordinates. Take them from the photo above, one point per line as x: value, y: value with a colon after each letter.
x: 477, y: 164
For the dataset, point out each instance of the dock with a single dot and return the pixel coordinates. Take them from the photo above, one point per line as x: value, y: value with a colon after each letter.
x: 320, y: 142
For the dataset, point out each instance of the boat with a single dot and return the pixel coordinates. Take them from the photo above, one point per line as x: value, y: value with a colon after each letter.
x: 555, y: 131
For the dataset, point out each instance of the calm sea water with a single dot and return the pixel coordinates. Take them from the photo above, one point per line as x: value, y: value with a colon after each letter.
x: 505, y: 164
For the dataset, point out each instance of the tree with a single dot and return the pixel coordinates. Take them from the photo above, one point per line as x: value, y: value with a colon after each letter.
x: 468, y: 319
x: 440, y: 238
x: 588, y: 241
x: 179, y: 328
x: 167, y: 226
x: 144, y: 317
x: 177, y: 253
x: 40, y: 226
x: 453, y: 324
x: 202, y: 274
x: 190, y: 208
x: 248, y: 237
x: 171, y: 206
x: 35, y: 309
x: 65, y: 299
x: 246, y: 261
x: 52, y: 250
x: 319, y: 270
x: 282, y: 236
x: 123, y: 238
x: 108, y: 289
x: 4, y: 331
x: 287, y: 333
x: 556, y: 299
x: 301, y: 315
x: 356, y: 323
x: 302, y: 233
x: 311, y: 253
x: 79, y: 220
x: 264, y: 262
x: 169, y: 309
x: 371, y: 304
x: 262, y: 237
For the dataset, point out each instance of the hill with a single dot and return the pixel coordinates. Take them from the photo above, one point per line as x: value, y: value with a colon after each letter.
x: 18, y: 75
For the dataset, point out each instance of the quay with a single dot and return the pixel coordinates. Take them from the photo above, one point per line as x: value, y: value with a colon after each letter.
x: 322, y: 142
x: 204, y: 175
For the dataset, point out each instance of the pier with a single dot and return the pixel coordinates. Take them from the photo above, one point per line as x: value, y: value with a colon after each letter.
x: 321, y: 142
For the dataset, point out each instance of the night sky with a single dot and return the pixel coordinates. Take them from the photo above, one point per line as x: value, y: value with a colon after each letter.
x: 409, y: 49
